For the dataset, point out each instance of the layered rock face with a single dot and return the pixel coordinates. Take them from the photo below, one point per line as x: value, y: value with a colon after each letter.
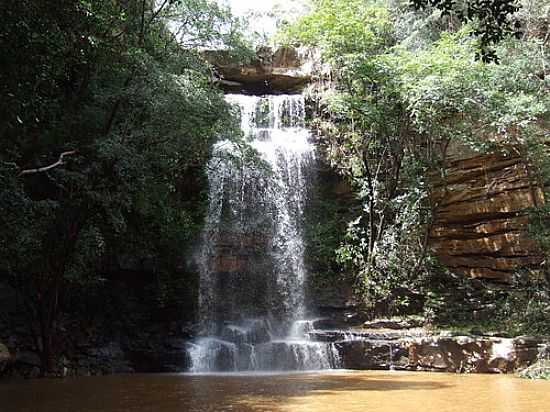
x: 272, y: 71
x: 383, y: 345
x: 481, y: 223
x: 473, y: 354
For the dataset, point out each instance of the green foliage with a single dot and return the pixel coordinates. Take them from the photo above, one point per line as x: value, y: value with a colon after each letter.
x: 394, y: 107
x: 330, y: 206
x: 396, y: 253
x: 526, y: 308
x: 494, y: 20
x: 466, y: 305
x: 123, y: 89
x: 340, y: 28
x: 450, y: 95
x: 539, y: 228
x: 366, y: 130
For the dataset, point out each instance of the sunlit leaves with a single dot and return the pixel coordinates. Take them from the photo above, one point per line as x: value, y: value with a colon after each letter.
x: 494, y: 20
x: 341, y: 28
x: 111, y: 80
x: 395, y: 106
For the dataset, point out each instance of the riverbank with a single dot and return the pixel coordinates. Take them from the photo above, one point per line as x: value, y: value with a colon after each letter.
x: 376, y: 345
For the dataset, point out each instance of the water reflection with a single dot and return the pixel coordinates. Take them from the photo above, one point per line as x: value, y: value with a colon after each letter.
x: 335, y: 391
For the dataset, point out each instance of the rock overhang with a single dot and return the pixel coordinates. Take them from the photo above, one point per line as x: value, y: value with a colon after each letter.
x: 273, y: 71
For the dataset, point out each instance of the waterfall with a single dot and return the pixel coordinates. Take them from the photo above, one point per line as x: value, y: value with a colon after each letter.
x: 251, y: 302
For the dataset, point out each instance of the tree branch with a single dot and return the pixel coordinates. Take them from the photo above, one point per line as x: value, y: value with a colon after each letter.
x: 60, y: 162
x: 157, y: 12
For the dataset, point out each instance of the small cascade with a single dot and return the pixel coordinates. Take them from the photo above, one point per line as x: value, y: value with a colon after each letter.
x: 213, y: 354
x: 302, y: 328
x: 251, y: 303
x: 543, y: 352
x: 248, y: 347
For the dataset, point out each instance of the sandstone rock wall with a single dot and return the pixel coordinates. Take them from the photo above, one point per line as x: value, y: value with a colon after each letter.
x: 378, y: 347
x: 480, y: 226
x: 472, y: 354
x: 272, y: 71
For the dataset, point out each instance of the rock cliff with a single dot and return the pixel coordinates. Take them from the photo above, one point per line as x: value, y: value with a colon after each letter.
x: 480, y: 225
x: 282, y: 70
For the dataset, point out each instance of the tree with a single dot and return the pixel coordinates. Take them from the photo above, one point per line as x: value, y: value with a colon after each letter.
x: 106, y: 127
x: 390, y: 113
x: 494, y: 20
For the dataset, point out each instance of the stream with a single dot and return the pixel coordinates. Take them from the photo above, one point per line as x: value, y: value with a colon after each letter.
x: 365, y: 391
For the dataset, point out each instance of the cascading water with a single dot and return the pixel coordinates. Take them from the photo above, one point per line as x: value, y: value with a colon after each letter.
x: 251, y: 300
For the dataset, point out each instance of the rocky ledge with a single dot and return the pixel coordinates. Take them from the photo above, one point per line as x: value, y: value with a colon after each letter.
x: 284, y: 70
x: 478, y: 354
x: 359, y: 349
x: 419, y: 349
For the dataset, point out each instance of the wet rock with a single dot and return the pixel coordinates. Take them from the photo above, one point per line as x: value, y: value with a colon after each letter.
x: 212, y: 354
x: 371, y: 354
x: 83, y: 372
x: 330, y: 335
x: 106, y: 359
x: 354, y: 334
x: 447, y: 352
x: 250, y: 331
x: 527, y: 349
x: 176, y: 343
x: 451, y: 354
x: 34, y: 372
x: 189, y: 330
x: 503, y: 355
x: 462, y: 354
x: 330, y: 323
x: 531, y: 341
x: 296, y: 355
x: 110, y: 351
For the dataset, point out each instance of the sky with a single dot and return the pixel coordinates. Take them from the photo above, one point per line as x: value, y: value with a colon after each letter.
x: 241, y: 7
x: 264, y: 24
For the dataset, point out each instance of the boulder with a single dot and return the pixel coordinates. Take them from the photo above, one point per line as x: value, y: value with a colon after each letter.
x: 528, y: 350
x: 371, y: 354
x: 462, y: 354
x: 447, y: 352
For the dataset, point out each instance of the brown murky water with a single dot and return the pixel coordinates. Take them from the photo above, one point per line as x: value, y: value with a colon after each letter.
x: 332, y: 392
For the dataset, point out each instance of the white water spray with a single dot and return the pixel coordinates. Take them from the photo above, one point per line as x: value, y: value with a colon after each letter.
x: 252, y: 256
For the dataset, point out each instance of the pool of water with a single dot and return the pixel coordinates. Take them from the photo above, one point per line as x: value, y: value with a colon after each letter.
x: 324, y: 391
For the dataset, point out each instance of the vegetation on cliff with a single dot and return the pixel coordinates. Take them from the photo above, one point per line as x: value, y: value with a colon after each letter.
x: 406, y: 87
x: 108, y: 117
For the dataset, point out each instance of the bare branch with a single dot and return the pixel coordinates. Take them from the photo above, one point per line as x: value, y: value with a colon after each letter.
x: 157, y: 12
x: 60, y: 162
